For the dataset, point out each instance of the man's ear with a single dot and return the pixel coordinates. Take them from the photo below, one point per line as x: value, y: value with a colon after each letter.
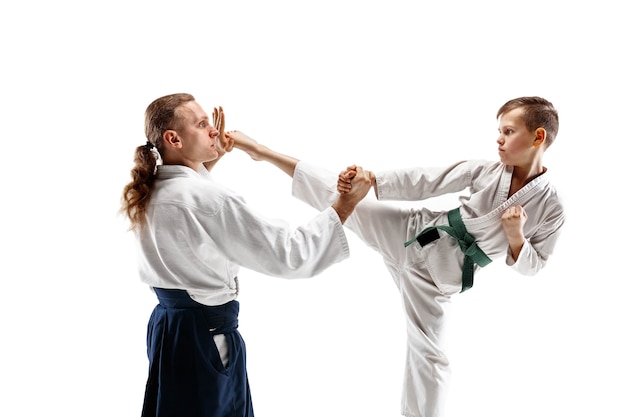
x: 540, y: 136
x: 171, y: 138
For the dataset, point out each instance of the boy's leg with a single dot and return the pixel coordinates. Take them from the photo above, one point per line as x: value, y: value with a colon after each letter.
x: 385, y: 229
x: 427, y: 369
x: 379, y: 225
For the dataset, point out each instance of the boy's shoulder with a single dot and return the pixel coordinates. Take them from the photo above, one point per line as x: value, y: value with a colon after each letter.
x: 480, y: 167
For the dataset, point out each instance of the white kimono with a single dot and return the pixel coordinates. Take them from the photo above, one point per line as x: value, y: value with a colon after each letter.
x: 428, y: 276
x: 199, y: 233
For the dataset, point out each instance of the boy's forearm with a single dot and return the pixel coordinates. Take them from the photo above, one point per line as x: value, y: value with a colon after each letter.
x: 286, y: 163
x: 515, y: 245
x: 260, y: 152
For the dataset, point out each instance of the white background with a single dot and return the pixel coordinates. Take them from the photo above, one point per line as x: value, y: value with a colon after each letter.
x: 382, y: 84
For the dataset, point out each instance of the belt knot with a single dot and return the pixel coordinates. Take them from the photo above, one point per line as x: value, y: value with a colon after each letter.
x: 467, y: 243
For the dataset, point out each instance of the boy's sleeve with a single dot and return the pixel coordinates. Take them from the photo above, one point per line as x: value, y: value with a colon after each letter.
x: 414, y: 184
x: 536, y: 250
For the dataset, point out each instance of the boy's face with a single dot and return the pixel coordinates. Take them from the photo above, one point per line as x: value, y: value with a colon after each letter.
x: 517, y: 146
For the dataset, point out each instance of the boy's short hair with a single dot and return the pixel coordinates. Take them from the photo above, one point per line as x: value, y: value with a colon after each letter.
x: 538, y: 112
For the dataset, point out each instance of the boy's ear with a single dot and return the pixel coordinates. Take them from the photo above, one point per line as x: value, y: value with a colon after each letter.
x: 540, y: 136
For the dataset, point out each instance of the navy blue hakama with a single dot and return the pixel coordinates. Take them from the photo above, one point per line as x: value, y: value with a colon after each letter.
x: 186, y: 375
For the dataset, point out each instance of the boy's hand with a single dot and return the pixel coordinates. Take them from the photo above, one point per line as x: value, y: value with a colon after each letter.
x: 245, y: 143
x: 513, y: 220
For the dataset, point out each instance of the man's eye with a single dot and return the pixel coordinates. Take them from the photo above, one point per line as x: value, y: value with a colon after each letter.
x: 202, y: 124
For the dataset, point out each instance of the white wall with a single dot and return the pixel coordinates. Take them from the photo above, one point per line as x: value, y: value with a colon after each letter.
x: 377, y: 83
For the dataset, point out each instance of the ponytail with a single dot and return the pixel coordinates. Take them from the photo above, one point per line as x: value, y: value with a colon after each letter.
x: 137, y: 192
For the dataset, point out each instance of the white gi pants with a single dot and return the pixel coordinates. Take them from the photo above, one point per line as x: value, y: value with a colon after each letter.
x: 385, y: 229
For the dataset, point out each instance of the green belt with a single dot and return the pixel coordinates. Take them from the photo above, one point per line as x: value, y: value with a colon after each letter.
x: 473, y: 254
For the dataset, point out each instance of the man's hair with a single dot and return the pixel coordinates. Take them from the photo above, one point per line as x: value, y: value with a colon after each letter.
x: 161, y: 115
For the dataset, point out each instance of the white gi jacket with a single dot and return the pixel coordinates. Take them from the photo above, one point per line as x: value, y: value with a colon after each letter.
x: 199, y: 233
x: 488, y: 184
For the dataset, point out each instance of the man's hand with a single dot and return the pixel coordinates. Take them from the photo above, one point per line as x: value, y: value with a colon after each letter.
x: 357, y: 183
x: 345, y: 178
x: 225, y: 143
